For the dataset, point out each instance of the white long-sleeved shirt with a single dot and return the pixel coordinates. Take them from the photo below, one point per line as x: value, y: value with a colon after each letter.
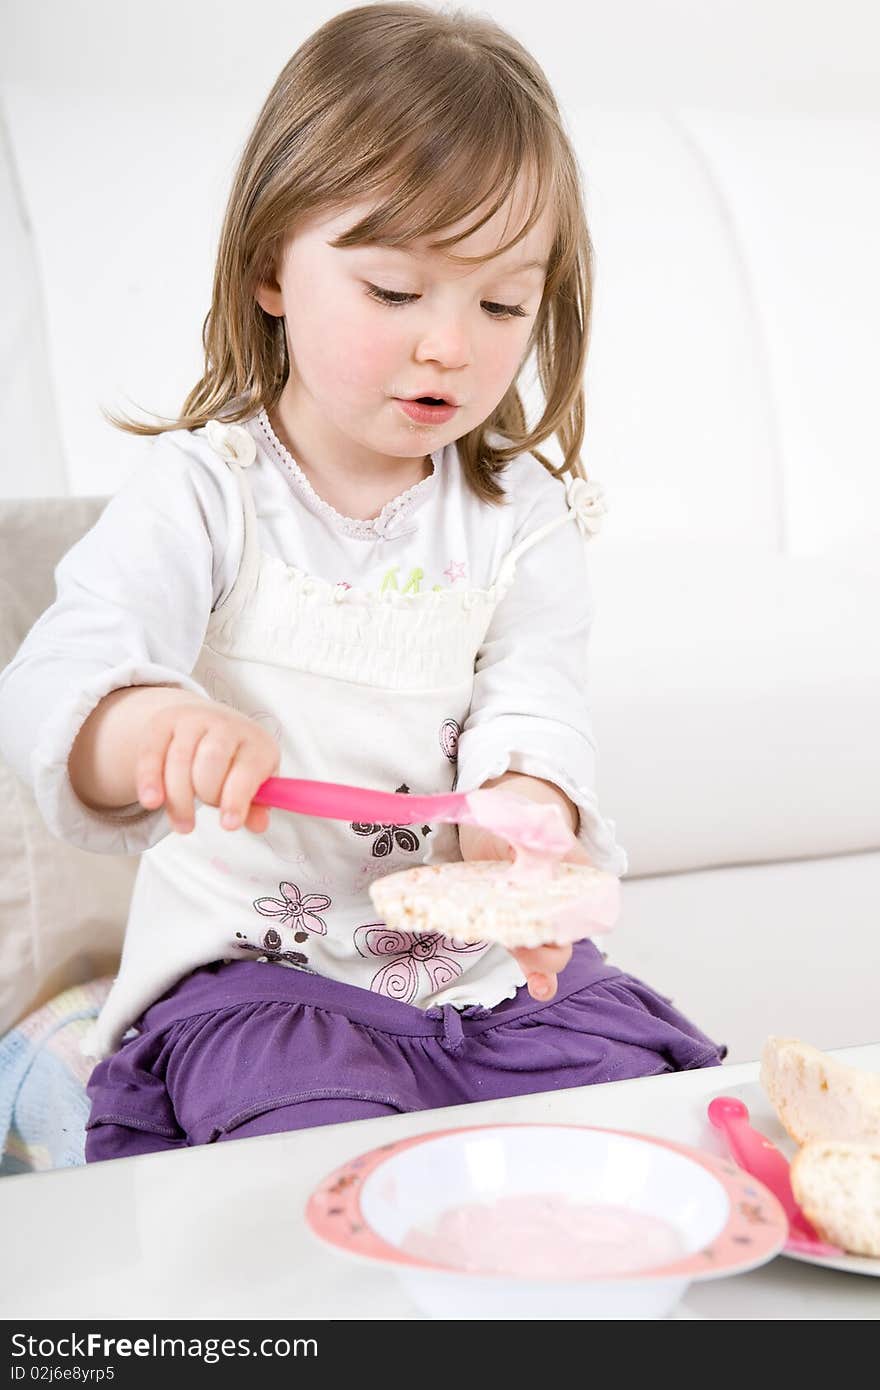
x: 135, y: 593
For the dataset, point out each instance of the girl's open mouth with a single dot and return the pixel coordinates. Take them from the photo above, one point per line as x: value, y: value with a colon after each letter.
x: 427, y: 411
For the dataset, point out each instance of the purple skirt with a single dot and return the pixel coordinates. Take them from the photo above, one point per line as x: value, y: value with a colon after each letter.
x: 250, y: 1048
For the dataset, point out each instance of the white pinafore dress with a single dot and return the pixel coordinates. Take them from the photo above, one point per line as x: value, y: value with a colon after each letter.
x: 368, y: 689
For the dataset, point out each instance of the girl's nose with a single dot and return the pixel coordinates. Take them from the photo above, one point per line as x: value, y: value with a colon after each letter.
x: 445, y: 342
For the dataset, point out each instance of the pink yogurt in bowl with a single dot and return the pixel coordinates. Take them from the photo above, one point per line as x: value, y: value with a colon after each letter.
x: 526, y: 1221
x: 546, y: 1235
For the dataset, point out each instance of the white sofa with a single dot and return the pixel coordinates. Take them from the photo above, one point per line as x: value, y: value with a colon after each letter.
x: 732, y: 386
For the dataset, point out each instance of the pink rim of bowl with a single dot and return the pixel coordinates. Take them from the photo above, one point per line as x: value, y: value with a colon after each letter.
x: 756, y: 1228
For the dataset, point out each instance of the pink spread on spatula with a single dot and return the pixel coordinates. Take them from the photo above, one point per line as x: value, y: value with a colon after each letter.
x: 537, y: 832
x: 541, y: 839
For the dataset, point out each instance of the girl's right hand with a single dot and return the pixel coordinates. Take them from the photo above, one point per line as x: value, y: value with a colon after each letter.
x: 201, y: 749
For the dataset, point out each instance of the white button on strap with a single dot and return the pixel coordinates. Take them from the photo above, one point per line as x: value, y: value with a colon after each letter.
x: 232, y: 442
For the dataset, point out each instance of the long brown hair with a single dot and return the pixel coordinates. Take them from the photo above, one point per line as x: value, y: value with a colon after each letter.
x: 439, y: 113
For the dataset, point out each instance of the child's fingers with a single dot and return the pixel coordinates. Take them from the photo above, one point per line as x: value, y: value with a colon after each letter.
x: 546, y: 959
x: 542, y: 987
x: 541, y: 965
x: 245, y: 776
x: 149, y: 777
x: 257, y: 819
x: 179, y: 794
x: 211, y: 763
x: 476, y: 843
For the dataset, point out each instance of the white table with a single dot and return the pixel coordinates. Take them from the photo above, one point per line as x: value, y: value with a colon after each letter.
x: 218, y: 1231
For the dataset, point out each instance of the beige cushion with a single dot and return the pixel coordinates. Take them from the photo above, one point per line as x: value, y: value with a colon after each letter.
x: 62, y: 910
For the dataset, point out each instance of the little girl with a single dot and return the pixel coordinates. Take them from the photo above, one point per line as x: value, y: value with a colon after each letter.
x: 315, y: 576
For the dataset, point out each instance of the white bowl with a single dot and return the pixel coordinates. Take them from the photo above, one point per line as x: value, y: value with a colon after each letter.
x: 725, y: 1220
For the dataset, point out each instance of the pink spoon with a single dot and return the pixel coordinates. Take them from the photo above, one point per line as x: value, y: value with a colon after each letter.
x: 530, y: 824
x: 754, y: 1152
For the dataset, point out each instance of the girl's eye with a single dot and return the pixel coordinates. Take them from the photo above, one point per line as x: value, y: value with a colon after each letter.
x: 396, y: 297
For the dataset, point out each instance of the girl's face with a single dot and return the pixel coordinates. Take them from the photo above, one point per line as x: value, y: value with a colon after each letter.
x: 459, y: 332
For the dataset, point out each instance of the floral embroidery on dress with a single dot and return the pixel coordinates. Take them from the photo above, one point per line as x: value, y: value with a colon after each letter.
x: 450, y: 732
x: 293, y: 907
x: 410, y: 954
x: 270, y: 949
x: 387, y: 836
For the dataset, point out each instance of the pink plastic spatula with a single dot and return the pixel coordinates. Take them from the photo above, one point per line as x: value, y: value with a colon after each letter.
x: 534, y: 826
x: 754, y: 1152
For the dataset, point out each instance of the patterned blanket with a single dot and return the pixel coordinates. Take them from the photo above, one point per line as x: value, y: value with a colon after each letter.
x: 43, y: 1076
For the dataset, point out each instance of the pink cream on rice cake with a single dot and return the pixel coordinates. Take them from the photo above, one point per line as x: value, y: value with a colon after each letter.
x: 497, y: 901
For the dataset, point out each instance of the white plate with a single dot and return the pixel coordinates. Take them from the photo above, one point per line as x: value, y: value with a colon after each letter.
x: 763, y: 1117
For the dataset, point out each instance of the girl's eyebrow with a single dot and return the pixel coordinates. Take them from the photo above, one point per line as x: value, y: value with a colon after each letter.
x: 526, y: 265
x: 406, y: 251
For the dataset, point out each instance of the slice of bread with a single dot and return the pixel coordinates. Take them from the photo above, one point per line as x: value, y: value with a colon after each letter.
x: 816, y: 1097
x: 838, y: 1186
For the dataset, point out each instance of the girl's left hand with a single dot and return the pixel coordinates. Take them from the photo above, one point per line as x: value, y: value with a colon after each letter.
x: 540, y: 964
